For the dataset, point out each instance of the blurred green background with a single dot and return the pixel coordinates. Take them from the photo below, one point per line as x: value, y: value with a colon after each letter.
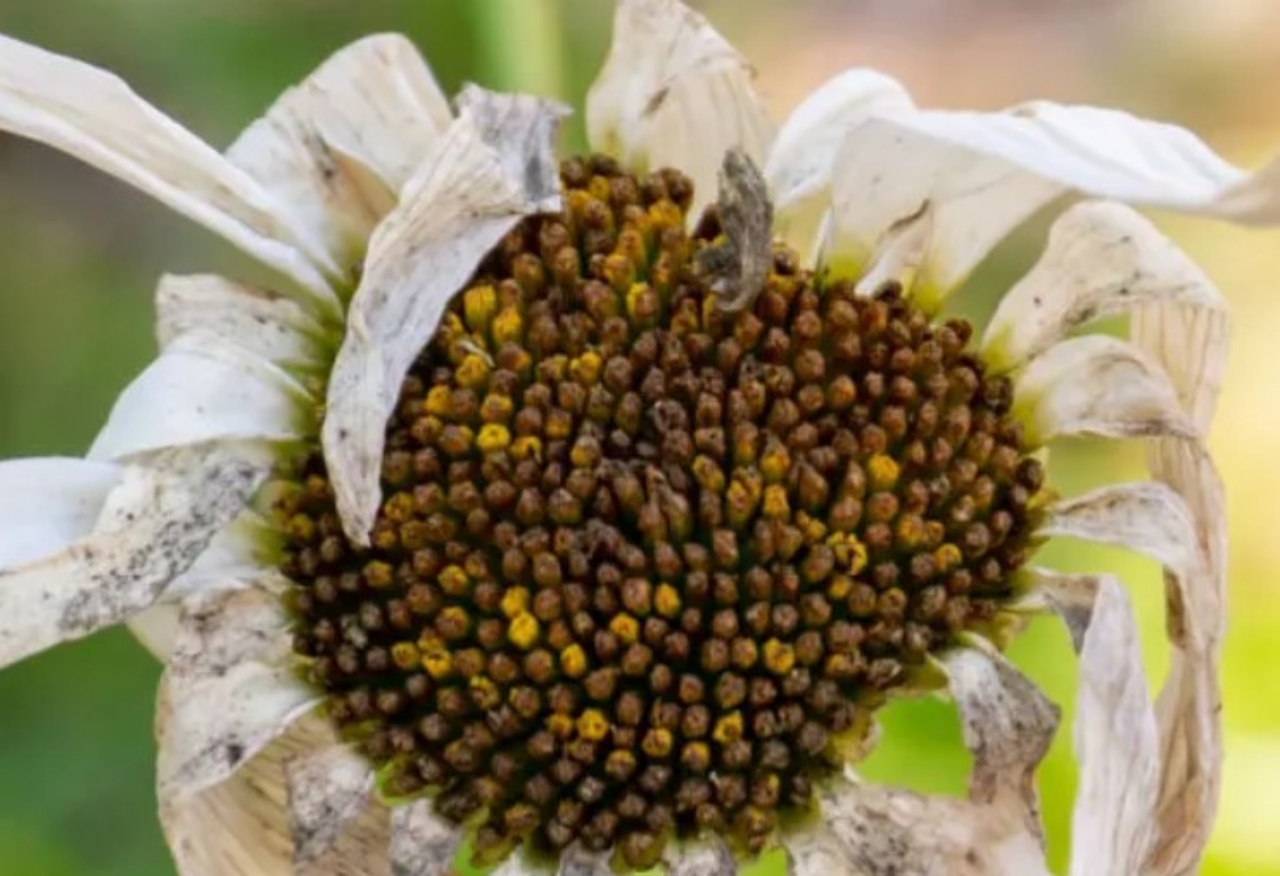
x: 79, y: 255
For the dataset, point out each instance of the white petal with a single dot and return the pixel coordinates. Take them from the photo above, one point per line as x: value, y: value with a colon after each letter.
x: 869, y: 829
x: 271, y: 327
x: 1096, y: 385
x: 1101, y: 258
x: 47, y: 503
x: 372, y: 107
x: 229, y: 689
x: 337, y: 827
x: 577, y: 861
x: 450, y: 217
x: 1071, y: 597
x: 1008, y: 726
x: 910, y: 208
x: 203, y: 389
x: 1188, y: 336
x: 94, y: 116
x: 153, y: 525
x: 240, y: 827
x: 802, y: 159
x: 710, y: 857
x: 422, y: 843
x: 674, y: 93
x: 1116, y: 745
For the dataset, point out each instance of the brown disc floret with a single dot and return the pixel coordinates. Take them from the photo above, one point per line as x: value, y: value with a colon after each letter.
x: 641, y: 563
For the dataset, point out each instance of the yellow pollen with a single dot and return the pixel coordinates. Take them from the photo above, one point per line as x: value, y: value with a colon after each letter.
x: 493, y: 438
x: 406, y: 656
x: 586, y: 368
x: 850, y: 552
x: 775, y: 463
x: 524, y: 631
x: 728, y: 729
x: 573, y: 661
x: 473, y: 371
x: 479, y: 303
x: 775, y: 504
x: 526, y: 447
x: 625, y: 627
x: 882, y: 472
x: 454, y: 581
x: 438, y: 401
x: 515, y: 602
x: 378, y: 574
x: 779, y: 657
x: 948, y: 557
x: 560, y: 726
x: 666, y: 600
x: 657, y: 742
x: 593, y: 725
x: 508, y: 325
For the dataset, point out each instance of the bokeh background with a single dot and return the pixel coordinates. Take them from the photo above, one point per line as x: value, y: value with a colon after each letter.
x: 79, y: 254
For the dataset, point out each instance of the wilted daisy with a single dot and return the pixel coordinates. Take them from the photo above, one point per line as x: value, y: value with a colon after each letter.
x: 584, y: 511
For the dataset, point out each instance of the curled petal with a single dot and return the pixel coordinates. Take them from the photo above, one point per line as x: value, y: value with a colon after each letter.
x: 1008, y: 727
x: 47, y: 503
x: 153, y: 525
x: 710, y: 857
x: 802, y: 159
x: 674, y: 93
x: 1101, y: 258
x: 422, y: 843
x: 240, y: 827
x: 871, y: 829
x: 203, y: 389
x: 450, y: 216
x: 1116, y: 744
x: 1097, y: 385
x: 273, y: 328
x: 1071, y: 597
x: 228, y: 690
x: 338, y: 827
x: 341, y: 144
x: 94, y: 116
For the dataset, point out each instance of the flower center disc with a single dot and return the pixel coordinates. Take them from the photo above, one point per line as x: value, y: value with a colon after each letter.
x: 643, y: 565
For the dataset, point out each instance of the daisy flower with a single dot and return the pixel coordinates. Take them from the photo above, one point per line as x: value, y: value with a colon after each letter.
x: 585, y: 510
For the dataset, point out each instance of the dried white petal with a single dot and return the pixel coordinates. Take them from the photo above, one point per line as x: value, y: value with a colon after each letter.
x: 801, y: 160
x: 1071, y: 597
x: 577, y: 861
x: 341, y: 144
x: 153, y: 526
x: 1116, y: 745
x: 1101, y: 258
x: 229, y: 689
x: 739, y: 266
x: 93, y: 115
x: 522, y: 130
x: 202, y: 389
x: 705, y: 857
x: 1096, y: 385
x: 273, y: 328
x: 869, y: 829
x: 917, y: 210
x: 1008, y: 726
x: 422, y: 843
x: 1188, y: 336
x: 240, y: 827
x: 338, y: 827
x: 449, y: 218
x: 674, y: 93
x: 46, y: 503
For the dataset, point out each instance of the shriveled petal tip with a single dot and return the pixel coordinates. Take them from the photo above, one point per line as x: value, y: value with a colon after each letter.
x: 1116, y: 744
x: 94, y: 116
x: 273, y: 328
x: 1102, y: 258
x: 341, y: 144
x: 200, y: 389
x: 338, y: 827
x: 1008, y: 726
x: 674, y: 93
x: 152, y: 527
x: 47, y: 503
x: 1097, y: 385
x: 710, y: 857
x: 1071, y: 597
x: 490, y: 171
x: 869, y: 829
x: 422, y: 843
x: 229, y: 689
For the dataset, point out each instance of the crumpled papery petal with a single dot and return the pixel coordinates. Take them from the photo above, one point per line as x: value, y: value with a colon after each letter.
x: 228, y: 690
x: 969, y: 178
x: 271, y: 327
x: 704, y: 857
x: 203, y: 389
x: 870, y: 829
x: 674, y: 93
x: 422, y: 843
x: 451, y: 215
x: 1101, y: 258
x: 339, y: 145
x: 1096, y: 385
x: 802, y: 159
x: 338, y: 827
x: 48, y: 502
x: 153, y: 525
x: 1008, y: 726
x: 94, y: 116
x: 1116, y: 744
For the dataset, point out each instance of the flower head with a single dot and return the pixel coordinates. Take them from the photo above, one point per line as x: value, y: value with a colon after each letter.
x: 588, y: 508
